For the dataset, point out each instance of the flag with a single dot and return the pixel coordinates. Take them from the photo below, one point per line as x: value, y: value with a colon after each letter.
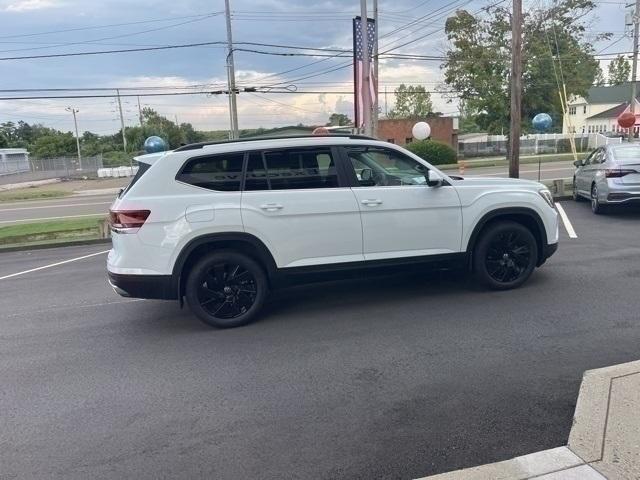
x: 358, y: 76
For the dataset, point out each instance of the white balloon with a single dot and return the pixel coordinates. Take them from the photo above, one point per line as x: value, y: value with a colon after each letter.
x: 421, y: 131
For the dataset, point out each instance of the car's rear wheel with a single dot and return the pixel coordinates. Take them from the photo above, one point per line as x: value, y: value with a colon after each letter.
x: 505, y: 255
x: 226, y: 289
x: 596, y: 206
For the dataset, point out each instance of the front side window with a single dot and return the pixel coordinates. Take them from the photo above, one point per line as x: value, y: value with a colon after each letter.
x: 382, y: 167
x: 291, y: 169
x: 216, y: 172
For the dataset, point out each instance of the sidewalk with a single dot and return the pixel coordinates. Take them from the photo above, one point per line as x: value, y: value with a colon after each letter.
x: 604, y: 442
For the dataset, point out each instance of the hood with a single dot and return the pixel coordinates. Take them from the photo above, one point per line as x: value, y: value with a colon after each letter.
x: 494, y: 182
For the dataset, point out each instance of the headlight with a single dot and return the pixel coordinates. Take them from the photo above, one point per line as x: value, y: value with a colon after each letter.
x: 546, y: 194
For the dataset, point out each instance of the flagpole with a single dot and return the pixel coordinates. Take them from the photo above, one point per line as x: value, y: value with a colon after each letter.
x: 366, y: 73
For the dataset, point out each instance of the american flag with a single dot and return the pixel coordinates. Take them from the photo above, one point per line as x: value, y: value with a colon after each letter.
x: 357, y: 67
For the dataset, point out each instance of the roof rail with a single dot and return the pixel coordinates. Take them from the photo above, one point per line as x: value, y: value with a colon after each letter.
x: 196, y: 146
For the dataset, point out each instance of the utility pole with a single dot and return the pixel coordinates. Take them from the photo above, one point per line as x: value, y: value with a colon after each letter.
x: 176, y: 117
x: 516, y: 89
x: 366, y: 73
x: 231, y: 76
x: 386, y: 112
x: 124, y: 137
x: 75, y: 123
x: 375, y: 70
x: 140, y: 113
x: 634, y: 68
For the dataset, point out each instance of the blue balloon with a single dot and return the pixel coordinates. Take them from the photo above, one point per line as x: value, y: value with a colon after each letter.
x: 154, y: 145
x: 542, y: 122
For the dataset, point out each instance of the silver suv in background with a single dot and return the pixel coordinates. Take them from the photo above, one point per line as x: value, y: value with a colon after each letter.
x: 610, y: 175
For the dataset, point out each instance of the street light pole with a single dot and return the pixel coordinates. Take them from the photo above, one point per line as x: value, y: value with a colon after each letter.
x: 231, y: 76
x: 124, y: 137
x: 75, y: 123
x: 634, y: 68
x: 516, y: 89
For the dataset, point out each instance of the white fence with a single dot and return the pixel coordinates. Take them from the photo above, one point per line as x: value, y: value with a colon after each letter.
x: 117, y: 172
x: 537, y: 144
x: 597, y: 140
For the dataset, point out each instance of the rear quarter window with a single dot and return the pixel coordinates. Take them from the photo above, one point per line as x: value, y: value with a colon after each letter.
x: 215, y: 172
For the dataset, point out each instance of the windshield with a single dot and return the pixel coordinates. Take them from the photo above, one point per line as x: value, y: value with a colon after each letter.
x: 626, y: 154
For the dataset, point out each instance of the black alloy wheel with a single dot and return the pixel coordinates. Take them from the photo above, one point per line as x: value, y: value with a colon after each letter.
x: 226, y: 289
x: 505, y: 256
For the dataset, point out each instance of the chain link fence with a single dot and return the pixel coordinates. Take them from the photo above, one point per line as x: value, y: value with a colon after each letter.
x: 15, y: 171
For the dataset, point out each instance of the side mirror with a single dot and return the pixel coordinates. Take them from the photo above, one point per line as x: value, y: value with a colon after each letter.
x: 433, y: 179
x: 577, y: 163
x: 366, y: 175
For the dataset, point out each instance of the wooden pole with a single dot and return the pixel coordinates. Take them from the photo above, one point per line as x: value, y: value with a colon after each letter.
x: 516, y: 89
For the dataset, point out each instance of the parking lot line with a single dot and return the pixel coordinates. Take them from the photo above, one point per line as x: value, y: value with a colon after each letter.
x: 567, y: 223
x: 53, y: 265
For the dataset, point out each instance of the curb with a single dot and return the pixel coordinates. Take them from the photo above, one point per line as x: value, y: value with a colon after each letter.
x: 600, y: 445
x: 42, y: 246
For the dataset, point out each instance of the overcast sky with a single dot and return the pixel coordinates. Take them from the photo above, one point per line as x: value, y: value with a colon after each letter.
x: 90, y: 25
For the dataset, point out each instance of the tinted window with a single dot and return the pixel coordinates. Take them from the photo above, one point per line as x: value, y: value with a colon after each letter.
x: 256, y: 173
x: 382, y: 167
x: 219, y: 172
x: 291, y: 169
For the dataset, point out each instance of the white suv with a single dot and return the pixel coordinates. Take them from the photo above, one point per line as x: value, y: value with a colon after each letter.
x: 221, y: 224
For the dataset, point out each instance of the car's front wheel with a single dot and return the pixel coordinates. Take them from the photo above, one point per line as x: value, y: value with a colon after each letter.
x: 226, y: 289
x: 505, y: 255
x: 596, y: 206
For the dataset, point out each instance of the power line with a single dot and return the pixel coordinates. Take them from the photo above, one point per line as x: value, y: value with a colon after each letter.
x: 95, y: 27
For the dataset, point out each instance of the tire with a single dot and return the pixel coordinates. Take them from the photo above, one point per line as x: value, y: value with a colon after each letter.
x: 505, y: 255
x: 226, y: 289
x: 576, y: 196
x: 596, y: 206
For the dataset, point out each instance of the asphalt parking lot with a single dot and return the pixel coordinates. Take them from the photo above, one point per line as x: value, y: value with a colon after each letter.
x: 394, y: 377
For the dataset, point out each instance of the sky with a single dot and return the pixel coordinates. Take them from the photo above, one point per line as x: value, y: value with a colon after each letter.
x: 42, y: 27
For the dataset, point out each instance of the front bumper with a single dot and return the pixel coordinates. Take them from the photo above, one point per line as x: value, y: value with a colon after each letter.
x: 547, y: 252
x: 160, y: 287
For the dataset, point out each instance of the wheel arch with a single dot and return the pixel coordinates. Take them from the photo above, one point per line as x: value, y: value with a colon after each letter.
x: 524, y: 216
x: 241, y: 242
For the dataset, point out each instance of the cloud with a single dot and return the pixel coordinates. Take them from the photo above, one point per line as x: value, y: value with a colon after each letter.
x: 30, y: 5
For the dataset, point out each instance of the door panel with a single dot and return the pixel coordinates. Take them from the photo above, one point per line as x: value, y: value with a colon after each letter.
x: 301, y: 226
x: 401, y: 215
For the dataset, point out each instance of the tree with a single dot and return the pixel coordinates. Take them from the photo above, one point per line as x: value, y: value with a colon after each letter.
x: 477, y: 65
x: 411, y: 102
x: 619, y: 70
x: 339, y: 120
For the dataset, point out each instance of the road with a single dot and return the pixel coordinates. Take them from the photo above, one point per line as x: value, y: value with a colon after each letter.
x: 27, y: 211
x: 548, y: 171
x: 385, y: 378
x: 96, y: 205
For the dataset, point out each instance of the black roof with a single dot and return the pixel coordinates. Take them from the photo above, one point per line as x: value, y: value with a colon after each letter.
x: 196, y: 146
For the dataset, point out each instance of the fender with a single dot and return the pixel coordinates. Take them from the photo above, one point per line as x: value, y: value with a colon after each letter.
x: 238, y: 240
x: 540, y: 235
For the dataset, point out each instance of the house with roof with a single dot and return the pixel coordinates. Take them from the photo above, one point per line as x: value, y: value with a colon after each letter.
x: 599, y: 110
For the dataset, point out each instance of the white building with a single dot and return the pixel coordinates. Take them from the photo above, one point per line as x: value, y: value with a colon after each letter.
x: 599, y: 111
x: 14, y: 160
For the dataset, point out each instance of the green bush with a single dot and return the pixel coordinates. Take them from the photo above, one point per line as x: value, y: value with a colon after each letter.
x: 116, y: 159
x: 434, y: 152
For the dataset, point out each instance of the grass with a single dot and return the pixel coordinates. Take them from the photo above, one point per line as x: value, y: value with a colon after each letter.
x: 31, y: 194
x: 84, y: 228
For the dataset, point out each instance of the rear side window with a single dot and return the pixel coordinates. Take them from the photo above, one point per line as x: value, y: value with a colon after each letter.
x: 291, y: 169
x: 217, y: 172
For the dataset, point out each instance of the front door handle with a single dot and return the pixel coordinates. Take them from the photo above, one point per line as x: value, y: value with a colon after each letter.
x: 374, y: 202
x: 271, y: 207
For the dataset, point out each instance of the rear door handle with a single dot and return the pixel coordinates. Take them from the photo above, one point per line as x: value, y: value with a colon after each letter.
x: 372, y: 202
x: 271, y: 207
